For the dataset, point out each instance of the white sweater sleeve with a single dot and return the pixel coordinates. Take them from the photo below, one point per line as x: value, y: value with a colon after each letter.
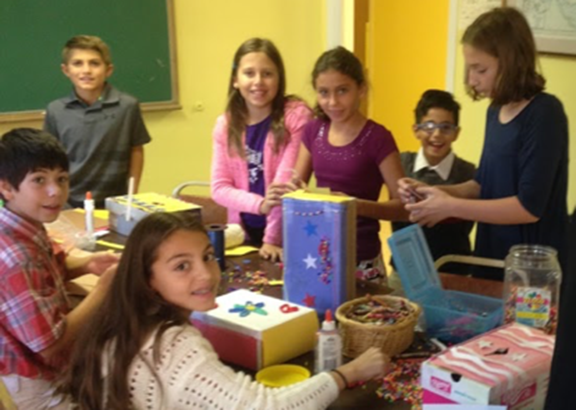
x: 189, y: 375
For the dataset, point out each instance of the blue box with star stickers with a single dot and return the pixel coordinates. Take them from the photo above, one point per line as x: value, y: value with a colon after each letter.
x: 319, y: 240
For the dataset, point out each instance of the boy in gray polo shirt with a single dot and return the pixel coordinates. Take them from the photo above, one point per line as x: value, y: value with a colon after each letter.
x: 101, y: 128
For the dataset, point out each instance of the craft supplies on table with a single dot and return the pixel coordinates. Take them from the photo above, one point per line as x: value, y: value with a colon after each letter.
x: 255, y: 331
x: 125, y: 212
x: 509, y: 365
x: 382, y: 321
x: 532, y: 287
x: 282, y: 375
x: 450, y: 316
x: 319, y: 236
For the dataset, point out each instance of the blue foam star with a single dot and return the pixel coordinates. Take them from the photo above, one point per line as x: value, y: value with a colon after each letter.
x: 310, y: 228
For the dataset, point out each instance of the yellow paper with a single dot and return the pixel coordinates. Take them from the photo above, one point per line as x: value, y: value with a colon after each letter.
x: 240, y: 250
x: 310, y: 196
x: 110, y: 244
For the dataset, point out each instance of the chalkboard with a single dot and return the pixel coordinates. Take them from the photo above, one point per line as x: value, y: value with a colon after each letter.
x: 33, y: 33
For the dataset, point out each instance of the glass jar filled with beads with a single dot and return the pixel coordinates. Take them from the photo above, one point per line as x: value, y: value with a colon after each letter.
x: 532, y: 286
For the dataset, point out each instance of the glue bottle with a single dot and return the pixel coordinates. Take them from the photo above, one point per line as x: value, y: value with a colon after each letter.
x: 328, y: 346
x: 89, y: 214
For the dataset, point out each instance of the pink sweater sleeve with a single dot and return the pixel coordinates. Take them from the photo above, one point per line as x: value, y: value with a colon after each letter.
x: 227, y: 184
x: 296, y: 117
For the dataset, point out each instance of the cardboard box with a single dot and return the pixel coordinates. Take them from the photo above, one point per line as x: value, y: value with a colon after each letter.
x: 319, y: 236
x: 451, y: 316
x: 507, y: 366
x: 143, y: 205
x: 256, y: 331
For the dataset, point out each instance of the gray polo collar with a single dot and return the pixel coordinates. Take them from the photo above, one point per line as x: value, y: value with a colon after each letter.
x: 109, y: 96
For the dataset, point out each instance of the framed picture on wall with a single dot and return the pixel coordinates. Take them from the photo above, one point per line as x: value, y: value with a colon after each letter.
x: 553, y: 23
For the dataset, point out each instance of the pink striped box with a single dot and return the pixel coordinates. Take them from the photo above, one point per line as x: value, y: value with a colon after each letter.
x: 508, y: 366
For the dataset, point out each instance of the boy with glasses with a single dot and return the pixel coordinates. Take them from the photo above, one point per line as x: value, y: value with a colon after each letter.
x: 435, y: 163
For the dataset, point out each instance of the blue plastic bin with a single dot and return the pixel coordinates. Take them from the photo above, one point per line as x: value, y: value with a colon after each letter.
x: 451, y: 316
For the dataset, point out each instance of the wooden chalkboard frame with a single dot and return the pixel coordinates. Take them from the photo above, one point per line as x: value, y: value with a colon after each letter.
x: 173, y: 104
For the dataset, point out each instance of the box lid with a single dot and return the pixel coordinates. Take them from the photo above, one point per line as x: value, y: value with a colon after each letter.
x: 414, y: 262
x: 251, y: 313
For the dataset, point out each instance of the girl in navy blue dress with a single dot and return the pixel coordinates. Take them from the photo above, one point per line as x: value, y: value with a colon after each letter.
x: 519, y: 192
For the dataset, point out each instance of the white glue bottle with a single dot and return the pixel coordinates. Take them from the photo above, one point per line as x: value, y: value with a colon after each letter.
x: 89, y: 214
x: 328, y: 346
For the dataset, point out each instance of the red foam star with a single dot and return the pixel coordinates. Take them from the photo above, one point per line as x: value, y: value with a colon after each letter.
x: 309, y: 300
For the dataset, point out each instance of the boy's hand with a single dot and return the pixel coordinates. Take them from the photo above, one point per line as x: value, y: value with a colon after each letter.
x: 435, y: 208
x: 271, y: 252
x: 100, y: 262
x: 409, y: 190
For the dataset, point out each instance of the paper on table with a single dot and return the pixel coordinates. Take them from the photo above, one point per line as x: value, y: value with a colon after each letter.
x: 462, y: 407
x: 240, y: 250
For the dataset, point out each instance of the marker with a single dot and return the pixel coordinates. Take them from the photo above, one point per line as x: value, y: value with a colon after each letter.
x: 89, y: 214
x: 130, y: 197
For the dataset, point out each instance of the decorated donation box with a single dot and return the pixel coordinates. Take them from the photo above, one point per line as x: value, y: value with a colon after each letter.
x: 319, y: 249
x: 122, y: 221
x: 256, y: 331
x: 506, y: 366
x: 451, y: 316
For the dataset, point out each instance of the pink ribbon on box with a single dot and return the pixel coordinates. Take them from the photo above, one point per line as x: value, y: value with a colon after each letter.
x: 471, y: 369
x: 458, y: 353
x: 520, y: 371
x: 541, y: 347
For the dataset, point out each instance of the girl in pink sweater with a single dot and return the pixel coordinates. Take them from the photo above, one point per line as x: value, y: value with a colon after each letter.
x: 256, y: 143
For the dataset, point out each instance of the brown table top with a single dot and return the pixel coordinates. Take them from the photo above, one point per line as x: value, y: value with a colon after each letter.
x: 361, y: 397
x: 240, y: 271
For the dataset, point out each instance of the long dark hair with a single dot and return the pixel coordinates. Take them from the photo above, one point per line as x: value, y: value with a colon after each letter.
x: 505, y: 34
x: 343, y: 61
x: 236, y: 106
x: 130, y: 312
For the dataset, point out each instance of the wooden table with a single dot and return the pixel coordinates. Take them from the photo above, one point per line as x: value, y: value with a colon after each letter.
x: 362, y: 397
x: 359, y: 398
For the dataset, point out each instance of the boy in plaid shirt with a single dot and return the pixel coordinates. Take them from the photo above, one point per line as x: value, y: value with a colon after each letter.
x: 37, y: 326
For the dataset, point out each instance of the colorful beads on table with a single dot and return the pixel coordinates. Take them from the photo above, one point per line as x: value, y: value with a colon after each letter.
x: 402, y: 383
x: 377, y: 312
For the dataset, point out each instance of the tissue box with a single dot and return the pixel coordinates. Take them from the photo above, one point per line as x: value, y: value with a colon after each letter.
x: 319, y: 236
x: 507, y: 366
x: 256, y: 331
x: 451, y: 316
x: 142, y: 206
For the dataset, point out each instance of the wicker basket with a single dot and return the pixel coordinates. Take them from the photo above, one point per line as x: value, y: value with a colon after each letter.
x: 392, y: 339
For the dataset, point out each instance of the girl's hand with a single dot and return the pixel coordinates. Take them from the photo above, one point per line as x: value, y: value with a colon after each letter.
x: 436, y: 207
x: 273, y: 197
x: 99, y: 262
x: 107, y: 276
x: 369, y: 365
x: 409, y: 190
x: 271, y: 252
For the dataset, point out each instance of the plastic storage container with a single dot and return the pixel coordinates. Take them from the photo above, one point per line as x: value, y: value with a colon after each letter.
x: 532, y: 287
x: 451, y: 316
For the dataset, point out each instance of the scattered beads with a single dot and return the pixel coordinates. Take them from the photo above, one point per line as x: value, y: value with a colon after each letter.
x: 402, y: 383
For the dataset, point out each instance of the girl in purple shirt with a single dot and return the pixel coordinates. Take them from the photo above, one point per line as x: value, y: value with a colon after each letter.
x: 349, y: 153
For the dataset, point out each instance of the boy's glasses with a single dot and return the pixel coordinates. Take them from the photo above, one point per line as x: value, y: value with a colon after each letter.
x: 429, y: 127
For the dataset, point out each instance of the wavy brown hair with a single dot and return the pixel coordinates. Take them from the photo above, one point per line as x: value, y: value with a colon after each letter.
x: 505, y: 34
x: 236, y: 107
x: 131, y: 311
